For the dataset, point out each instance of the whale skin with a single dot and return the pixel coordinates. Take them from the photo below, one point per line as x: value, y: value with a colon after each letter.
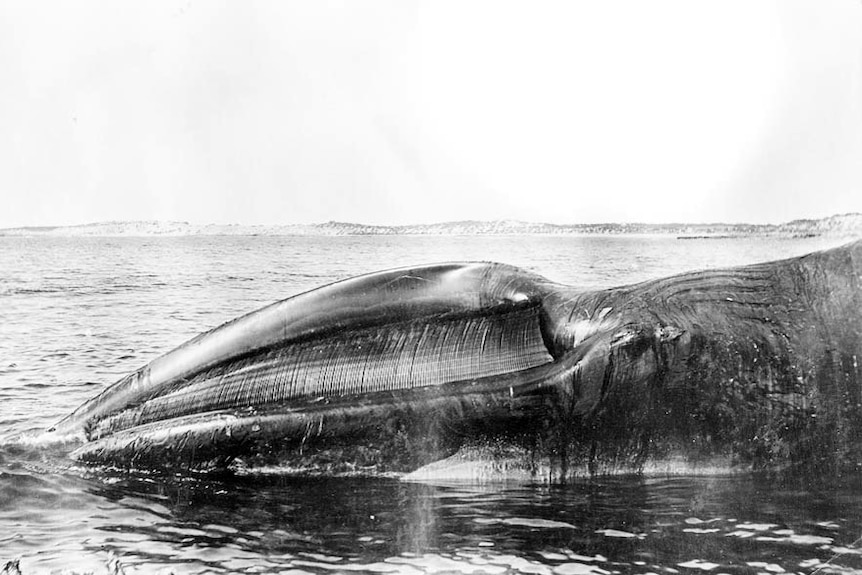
x: 757, y: 366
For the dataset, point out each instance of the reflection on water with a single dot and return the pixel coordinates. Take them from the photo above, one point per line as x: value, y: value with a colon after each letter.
x: 79, y: 313
x: 251, y: 523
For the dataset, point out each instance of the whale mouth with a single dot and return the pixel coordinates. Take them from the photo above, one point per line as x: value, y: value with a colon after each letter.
x: 390, y: 370
x: 375, y: 433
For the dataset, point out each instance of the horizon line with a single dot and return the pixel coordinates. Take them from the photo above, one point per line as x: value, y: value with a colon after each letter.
x: 413, y: 225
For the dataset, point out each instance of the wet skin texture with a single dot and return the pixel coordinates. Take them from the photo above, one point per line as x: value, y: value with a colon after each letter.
x: 758, y: 366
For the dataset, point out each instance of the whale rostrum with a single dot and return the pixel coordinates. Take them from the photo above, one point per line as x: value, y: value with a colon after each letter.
x: 758, y: 366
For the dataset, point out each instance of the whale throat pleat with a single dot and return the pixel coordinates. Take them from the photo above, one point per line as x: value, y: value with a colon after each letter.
x: 351, y: 362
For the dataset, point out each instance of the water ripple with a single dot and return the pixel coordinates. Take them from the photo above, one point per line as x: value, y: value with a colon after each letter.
x: 78, y: 313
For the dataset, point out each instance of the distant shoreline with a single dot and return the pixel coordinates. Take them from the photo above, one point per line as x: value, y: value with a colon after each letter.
x: 849, y: 225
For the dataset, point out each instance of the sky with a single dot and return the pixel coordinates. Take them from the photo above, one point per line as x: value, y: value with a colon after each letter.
x: 402, y: 112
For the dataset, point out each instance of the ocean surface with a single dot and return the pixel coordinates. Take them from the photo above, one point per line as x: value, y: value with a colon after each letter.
x: 78, y: 313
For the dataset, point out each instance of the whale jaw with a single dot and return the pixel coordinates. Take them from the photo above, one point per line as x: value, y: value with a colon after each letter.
x: 377, y: 433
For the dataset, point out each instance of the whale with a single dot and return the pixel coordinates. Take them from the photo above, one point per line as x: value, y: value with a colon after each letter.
x: 759, y: 367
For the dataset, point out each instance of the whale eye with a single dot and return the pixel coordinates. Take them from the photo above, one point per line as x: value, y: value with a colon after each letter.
x: 667, y: 333
x: 623, y: 337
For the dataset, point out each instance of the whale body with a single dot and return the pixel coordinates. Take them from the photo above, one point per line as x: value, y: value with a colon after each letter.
x: 758, y: 365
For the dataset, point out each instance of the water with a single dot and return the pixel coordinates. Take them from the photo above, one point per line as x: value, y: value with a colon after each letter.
x: 77, y: 313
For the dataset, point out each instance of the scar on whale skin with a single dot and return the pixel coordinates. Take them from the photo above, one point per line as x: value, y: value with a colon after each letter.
x: 754, y: 366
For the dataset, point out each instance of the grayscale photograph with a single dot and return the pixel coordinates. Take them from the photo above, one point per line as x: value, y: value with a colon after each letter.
x: 427, y: 287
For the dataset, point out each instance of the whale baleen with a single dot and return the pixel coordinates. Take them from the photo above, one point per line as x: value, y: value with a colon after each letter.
x: 757, y: 366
